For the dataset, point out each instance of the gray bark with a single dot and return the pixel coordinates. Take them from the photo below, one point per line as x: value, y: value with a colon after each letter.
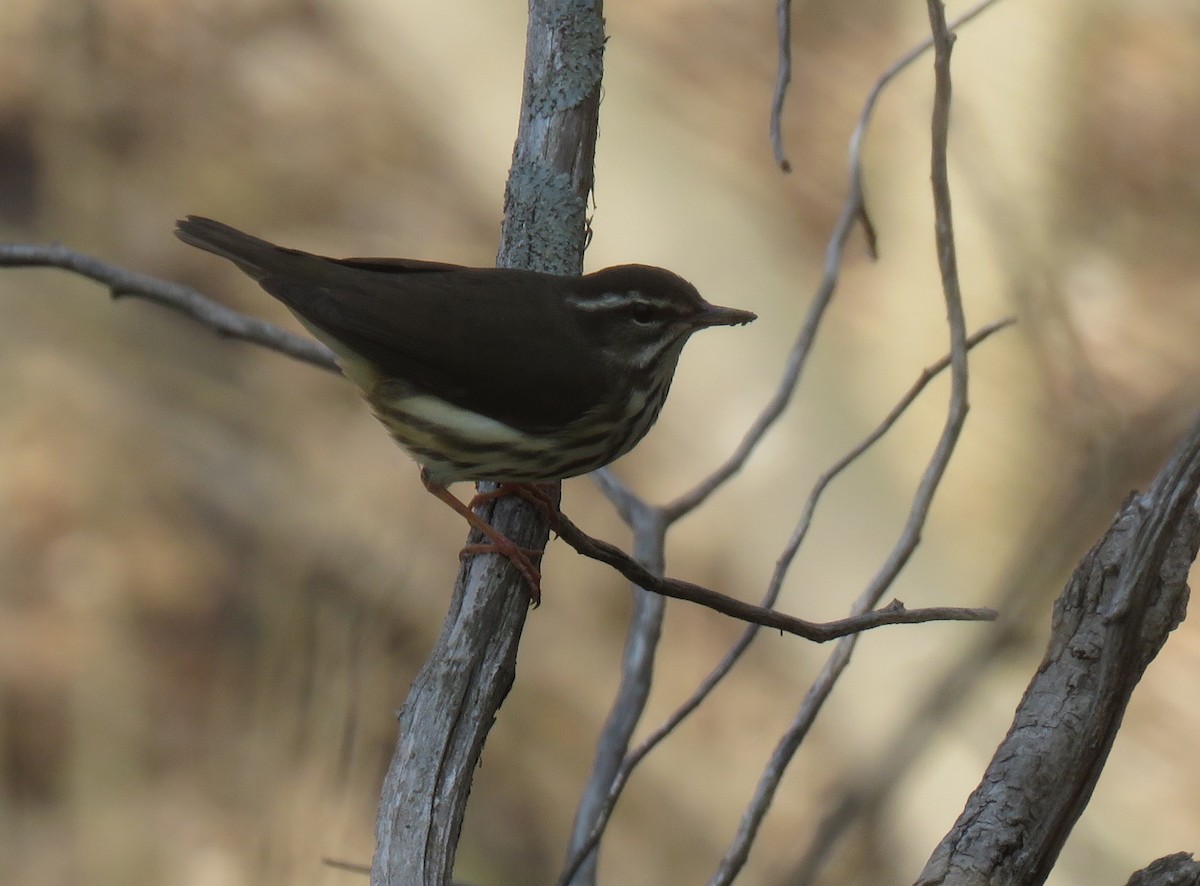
x: 1116, y: 612
x: 456, y: 696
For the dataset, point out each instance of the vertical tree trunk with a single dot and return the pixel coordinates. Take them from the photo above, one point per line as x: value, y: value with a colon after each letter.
x: 454, y: 700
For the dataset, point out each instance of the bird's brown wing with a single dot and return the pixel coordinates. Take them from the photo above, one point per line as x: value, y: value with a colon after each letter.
x: 486, y: 340
x: 496, y: 342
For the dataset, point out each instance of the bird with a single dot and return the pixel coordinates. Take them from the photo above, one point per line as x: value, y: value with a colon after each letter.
x: 488, y: 374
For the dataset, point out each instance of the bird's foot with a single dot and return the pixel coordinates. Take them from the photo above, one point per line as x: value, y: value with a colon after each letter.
x: 498, y: 542
x: 522, y: 558
x: 543, y: 496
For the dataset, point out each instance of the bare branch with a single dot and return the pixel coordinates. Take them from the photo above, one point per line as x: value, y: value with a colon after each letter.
x: 551, y: 174
x: 783, y: 78
x: 637, y: 680
x: 628, y: 504
x: 454, y: 699
x: 783, y: 18
x: 853, y: 211
x: 1179, y: 869
x: 768, y: 618
x: 125, y: 283
x: 739, y: 849
x: 901, y: 406
x: 955, y: 318
x: 1126, y: 596
x: 621, y: 776
x: 349, y: 866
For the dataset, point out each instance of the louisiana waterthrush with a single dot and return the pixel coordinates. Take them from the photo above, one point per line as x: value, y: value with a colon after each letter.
x: 512, y: 376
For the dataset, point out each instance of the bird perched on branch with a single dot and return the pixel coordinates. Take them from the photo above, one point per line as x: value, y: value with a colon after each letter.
x: 512, y: 376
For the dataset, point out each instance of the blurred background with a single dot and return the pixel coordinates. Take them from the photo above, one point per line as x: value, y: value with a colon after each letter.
x: 218, y: 576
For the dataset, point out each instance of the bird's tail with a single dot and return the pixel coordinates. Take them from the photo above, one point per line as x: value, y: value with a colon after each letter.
x: 255, y: 256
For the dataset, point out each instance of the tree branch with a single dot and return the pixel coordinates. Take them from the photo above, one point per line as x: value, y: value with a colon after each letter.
x: 820, y: 632
x: 454, y: 700
x: 607, y: 782
x: 783, y: 76
x: 739, y: 849
x: 122, y: 282
x: 1123, y: 600
x: 472, y: 667
x: 1179, y: 869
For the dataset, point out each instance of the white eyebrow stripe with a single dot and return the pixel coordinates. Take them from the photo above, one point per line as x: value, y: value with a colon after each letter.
x: 606, y: 302
x: 613, y: 300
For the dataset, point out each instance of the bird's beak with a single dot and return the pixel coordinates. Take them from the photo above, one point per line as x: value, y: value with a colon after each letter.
x: 715, y: 315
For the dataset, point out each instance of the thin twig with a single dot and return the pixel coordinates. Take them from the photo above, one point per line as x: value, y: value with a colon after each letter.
x: 853, y: 210
x: 783, y: 18
x: 783, y: 78
x: 352, y: 867
x: 739, y: 849
x: 628, y: 503
x: 122, y: 282
x: 819, y: 632
x: 731, y: 657
x: 637, y: 681
x: 233, y: 324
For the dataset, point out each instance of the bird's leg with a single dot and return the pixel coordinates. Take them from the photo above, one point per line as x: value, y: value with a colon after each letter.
x: 500, y: 543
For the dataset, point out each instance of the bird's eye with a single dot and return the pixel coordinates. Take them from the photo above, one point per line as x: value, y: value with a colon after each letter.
x: 642, y: 313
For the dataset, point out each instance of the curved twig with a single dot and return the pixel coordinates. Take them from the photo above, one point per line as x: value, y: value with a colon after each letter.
x: 123, y: 282
x: 783, y: 77
x: 735, y: 652
x: 783, y: 21
x: 739, y: 849
x: 819, y: 632
x: 626, y: 502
